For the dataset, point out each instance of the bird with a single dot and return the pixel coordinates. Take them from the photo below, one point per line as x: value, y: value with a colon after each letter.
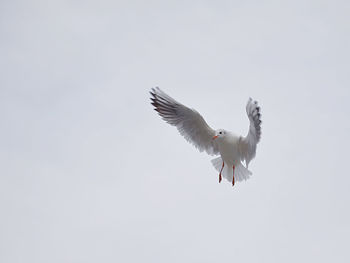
x: 235, y: 151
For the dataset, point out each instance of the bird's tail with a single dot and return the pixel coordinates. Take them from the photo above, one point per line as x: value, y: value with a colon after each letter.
x: 241, y: 172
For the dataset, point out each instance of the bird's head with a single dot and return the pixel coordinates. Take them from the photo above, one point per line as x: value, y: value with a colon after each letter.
x: 219, y: 134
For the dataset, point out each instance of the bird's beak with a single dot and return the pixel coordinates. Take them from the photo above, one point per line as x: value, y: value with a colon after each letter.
x: 215, y: 137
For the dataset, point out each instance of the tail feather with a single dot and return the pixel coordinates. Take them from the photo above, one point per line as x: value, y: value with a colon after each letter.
x: 241, y: 172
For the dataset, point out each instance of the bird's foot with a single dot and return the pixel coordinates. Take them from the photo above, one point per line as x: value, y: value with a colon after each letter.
x: 233, y: 175
x: 220, y: 178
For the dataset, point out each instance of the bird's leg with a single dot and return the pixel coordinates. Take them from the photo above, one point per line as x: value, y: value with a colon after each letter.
x: 233, y: 173
x: 220, y: 178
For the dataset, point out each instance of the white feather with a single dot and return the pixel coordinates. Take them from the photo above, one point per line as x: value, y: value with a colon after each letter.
x: 248, y: 144
x: 241, y: 173
x: 189, y: 122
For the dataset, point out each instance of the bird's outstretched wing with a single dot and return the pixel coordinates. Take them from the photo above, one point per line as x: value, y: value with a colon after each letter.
x: 189, y: 122
x: 248, y: 143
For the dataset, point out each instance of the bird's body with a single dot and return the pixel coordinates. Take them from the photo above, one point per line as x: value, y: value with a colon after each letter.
x: 233, y: 149
x: 229, y: 149
x: 229, y: 164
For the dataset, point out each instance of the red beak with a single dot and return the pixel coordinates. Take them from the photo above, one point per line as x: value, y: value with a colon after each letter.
x: 215, y: 137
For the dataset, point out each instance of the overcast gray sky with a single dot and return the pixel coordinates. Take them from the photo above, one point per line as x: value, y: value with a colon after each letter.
x: 90, y: 173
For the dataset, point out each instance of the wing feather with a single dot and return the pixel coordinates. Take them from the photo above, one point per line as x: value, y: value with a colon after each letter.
x: 189, y: 122
x: 248, y: 144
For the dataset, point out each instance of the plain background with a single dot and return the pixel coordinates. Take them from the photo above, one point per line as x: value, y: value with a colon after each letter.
x: 90, y: 173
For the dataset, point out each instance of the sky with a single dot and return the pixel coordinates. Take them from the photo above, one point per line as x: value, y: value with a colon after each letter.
x: 90, y: 173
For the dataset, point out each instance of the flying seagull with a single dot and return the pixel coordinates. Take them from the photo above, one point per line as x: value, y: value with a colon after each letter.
x: 233, y: 149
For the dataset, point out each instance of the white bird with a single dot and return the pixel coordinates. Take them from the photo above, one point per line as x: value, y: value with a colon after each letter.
x: 233, y: 149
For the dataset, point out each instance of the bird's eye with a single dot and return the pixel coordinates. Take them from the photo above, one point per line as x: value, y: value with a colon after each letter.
x: 220, y: 132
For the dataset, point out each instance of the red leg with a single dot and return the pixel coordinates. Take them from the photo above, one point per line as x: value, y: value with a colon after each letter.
x: 220, y: 178
x: 233, y: 178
